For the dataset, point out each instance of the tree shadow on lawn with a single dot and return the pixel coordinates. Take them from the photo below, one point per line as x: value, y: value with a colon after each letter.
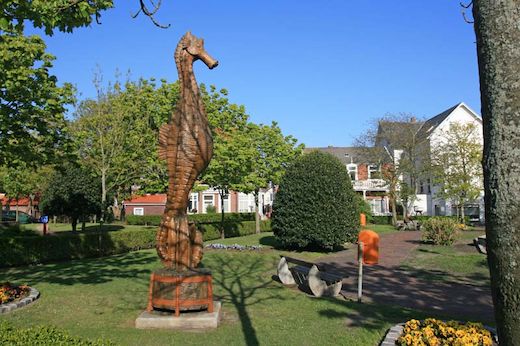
x: 271, y: 241
x: 241, y: 281
x: 133, y: 265
x: 371, y: 316
x: 417, y: 289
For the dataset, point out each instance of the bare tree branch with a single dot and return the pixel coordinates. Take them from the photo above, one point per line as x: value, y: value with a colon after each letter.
x: 150, y: 12
x: 465, y: 7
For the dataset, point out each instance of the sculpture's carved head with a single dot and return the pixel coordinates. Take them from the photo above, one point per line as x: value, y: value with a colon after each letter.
x: 195, y: 47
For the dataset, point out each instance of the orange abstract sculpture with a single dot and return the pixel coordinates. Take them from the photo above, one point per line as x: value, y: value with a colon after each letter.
x: 187, y: 146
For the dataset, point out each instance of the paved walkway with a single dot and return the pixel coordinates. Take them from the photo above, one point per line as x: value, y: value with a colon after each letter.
x: 386, y: 283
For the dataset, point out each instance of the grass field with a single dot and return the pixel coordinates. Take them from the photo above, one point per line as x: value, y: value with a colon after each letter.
x: 461, y: 261
x: 102, y: 297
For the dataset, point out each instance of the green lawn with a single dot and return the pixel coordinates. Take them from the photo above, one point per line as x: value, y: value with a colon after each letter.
x: 461, y: 261
x: 100, y: 298
x: 381, y: 228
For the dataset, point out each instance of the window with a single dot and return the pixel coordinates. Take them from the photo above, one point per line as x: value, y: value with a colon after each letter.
x: 208, y: 200
x: 352, y: 171
x: 227, y: 207
x: 193, y: 205
x: 373, y: 172
x: 246, y: 203
x: 139, y: 211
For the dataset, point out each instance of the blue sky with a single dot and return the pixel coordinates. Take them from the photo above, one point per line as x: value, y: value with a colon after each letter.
x: 321, y: 69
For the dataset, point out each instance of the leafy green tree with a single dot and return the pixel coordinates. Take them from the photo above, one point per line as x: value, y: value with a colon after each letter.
x: 32, y: 106
x: 74, y: 192
x: 117, y: 135
x: 391, y: 142
x: 64, y: 15
x: 315, y: 205
x: 457, y: 164
x: 272, y: 153
x: 231, y: 150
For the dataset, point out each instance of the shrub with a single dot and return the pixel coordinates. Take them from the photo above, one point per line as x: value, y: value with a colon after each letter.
x: 155, y: 220
x: 440, y: 230
x: 315, y: 205
x: 42, y: 335
x: 364, y: 208
x: 20, y: 250
x: 31, y: 250
x: 210, y: 209
x: 435, y: 332
x: 381, y: 220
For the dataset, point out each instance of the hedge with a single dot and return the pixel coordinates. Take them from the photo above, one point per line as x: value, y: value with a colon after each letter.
x: 155, y: 220
x: 43, y: 335
x: 387, y: 220
x: 22, y: 250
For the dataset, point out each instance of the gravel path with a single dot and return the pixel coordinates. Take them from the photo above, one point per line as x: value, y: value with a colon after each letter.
x: 386, y: 283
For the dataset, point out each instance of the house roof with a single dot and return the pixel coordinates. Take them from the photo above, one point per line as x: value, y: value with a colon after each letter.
x: 347, y: 154
x: 159, y: 198
x: 22, y: 201
x: 431, y: 124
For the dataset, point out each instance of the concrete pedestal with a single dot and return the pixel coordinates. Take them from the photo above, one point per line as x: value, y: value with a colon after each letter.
x: 191, y: 320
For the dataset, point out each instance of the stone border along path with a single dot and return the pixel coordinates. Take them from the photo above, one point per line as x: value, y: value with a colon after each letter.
x: 387, y: 283
x: 33, y: 295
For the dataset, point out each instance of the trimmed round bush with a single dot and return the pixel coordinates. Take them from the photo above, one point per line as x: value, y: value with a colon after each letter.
x: 315, y: 205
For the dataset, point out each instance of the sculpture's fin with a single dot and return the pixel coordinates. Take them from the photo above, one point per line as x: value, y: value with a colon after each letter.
x: 164, y: 132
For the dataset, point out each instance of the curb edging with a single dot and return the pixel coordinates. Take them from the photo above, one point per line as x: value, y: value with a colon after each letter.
x: 33, y: 295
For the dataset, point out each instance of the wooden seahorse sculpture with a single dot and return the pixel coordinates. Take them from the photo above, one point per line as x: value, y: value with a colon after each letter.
x: 187, y: 146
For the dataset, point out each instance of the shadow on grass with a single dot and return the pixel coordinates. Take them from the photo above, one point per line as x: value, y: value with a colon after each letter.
x: 370, y: 316
x: 241, y: 282
x: 270, y: 240
x: 433, y: 291
x: 93, y: 228
x: 134, y: 265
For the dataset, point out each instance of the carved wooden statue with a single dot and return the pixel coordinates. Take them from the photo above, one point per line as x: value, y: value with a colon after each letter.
x: 187, y: 146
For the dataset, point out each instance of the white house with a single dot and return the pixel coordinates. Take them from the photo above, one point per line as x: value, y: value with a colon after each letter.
x: 433, y: 132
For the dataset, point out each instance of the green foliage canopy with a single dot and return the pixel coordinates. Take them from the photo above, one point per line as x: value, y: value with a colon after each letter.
x: 65, y: 15
x: 32, y: 106
x: 74, y: 192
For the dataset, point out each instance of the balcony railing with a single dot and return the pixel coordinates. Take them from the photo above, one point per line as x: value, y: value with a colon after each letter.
x: 370, y: 185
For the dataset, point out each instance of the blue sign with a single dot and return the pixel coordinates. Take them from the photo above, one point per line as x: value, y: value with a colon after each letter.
x: 44, y: 219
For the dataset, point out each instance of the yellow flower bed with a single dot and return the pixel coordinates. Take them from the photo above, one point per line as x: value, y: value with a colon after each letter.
x: 432, y: 332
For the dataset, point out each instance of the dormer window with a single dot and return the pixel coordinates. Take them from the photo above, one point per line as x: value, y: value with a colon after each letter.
x: 352, y: 171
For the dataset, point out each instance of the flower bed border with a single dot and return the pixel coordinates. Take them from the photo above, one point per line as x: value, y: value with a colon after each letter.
x: 395, y: 332
x: 33, y: 295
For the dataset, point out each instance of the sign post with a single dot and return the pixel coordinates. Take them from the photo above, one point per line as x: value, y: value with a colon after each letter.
x: 360, y: 272
x: 45, y: 220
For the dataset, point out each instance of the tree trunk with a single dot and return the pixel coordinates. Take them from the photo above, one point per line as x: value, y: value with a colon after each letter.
x: 83, y: 223
x: 257, y: 215
x: 497, y: 27
x: 74, y: 223
x: 103, y: 194
x: 394, y: 211
x: 462, y: 215
x: 17, y: 218
x: 222, y: 233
